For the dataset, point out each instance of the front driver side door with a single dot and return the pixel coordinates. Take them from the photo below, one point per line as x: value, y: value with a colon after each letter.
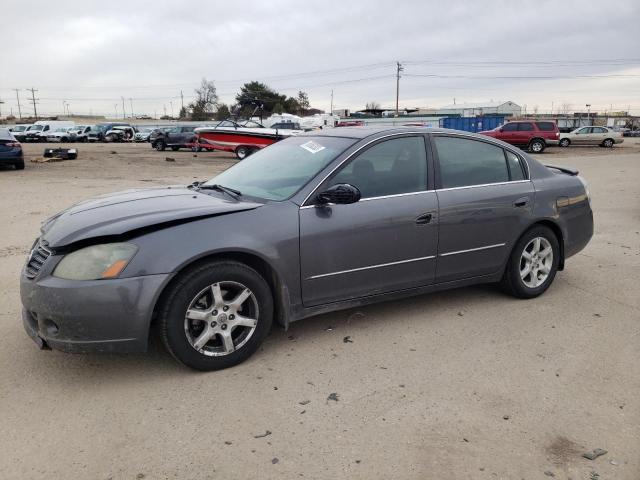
x: 387, y: 241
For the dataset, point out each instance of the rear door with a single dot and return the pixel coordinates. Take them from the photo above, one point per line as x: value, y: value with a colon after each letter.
x: 525, y: 132
x: 485, y: 201
x: 598, y: 134
x: 385, y: 242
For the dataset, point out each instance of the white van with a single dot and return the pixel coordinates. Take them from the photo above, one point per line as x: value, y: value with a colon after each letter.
x: 38, y: 131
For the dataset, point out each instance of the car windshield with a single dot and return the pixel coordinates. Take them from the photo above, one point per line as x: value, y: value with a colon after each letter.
x: 35, y: 128
x: 19, y: 128
x: 280, y: 170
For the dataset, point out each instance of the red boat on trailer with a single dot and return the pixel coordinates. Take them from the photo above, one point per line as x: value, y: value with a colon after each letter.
x: 242, y: 138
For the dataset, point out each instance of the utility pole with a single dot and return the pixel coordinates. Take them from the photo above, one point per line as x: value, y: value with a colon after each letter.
x: 124, y: 114
x: 115, y: 106
x: 181, y: 101
x: 18, y: 98
x: 1, y: 102
x: 171, y: 104
x: 399, y: 68
x: 131, y: 104
x: 165, y: 110
x: 331, y: 111
x: 33, y: 99
x: 64, y: 107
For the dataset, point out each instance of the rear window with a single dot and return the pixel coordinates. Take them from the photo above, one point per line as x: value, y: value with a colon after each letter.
x: 546, y: 126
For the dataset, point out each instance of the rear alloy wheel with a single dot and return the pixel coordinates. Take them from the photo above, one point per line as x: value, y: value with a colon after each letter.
x: 159, y: 146
x: 533, y: 263
x: 242, y: 152
x: 565, y: 142
x: 608, y: 143
x: 536, y: 146
x: 216, y: 316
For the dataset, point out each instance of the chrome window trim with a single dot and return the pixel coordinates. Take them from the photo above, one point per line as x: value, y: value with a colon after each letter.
x: 472, y: 250
x: 482, y: 185
x: 420, y: 192
x: 359, y: 269
x: 351, y: 156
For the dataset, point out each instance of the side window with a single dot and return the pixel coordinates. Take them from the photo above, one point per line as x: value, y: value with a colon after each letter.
x: 188, y: 129
x: 525, y: 127
x: 546, y: 126
x: 599, y: 130
x: 388, y: 168
x: 515, y: 167
x: 465, y: 162
x: 510, y: 127
x: 174, y: 130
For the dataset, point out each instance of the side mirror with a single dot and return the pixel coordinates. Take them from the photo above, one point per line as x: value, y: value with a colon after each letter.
x: 340, y: 194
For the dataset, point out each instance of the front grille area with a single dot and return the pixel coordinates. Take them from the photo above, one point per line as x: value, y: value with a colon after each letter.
x: 38, y: 256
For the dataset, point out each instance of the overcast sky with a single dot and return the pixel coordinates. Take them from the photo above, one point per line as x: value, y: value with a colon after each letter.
x: 90, y: 54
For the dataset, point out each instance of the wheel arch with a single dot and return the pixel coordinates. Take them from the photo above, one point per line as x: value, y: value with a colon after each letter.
x: 279, y: 290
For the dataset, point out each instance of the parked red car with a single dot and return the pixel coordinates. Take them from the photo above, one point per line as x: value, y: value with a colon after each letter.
x: 534, y: 136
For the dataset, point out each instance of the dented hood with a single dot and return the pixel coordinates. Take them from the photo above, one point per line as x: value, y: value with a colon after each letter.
x: 122, y: 212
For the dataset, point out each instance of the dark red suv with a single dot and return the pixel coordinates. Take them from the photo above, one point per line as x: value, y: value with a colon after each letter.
x: 535, y: 136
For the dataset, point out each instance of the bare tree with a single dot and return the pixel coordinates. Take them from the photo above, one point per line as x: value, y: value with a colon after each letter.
x: 565, y: 108
x: 372, y: 106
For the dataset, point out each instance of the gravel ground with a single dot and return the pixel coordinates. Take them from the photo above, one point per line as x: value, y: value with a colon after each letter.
x: 465, y: 384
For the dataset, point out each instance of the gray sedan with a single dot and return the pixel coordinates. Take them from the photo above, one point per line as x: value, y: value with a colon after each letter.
x: 314, y: 223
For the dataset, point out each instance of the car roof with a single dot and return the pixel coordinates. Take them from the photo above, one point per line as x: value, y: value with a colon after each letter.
x: 368, y: 131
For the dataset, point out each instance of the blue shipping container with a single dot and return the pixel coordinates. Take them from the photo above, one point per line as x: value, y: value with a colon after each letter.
x: 472, y: 124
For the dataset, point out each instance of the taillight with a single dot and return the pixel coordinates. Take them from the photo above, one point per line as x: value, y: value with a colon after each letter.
x: 557, y: 134
x: 14, y: 144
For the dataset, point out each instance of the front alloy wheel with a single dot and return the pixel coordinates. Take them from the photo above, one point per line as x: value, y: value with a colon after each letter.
x: 221, y: 318
x: 215, y: 315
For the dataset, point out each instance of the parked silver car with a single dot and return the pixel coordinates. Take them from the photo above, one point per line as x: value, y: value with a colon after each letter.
x: 603, y: 136
x: 314, y: 223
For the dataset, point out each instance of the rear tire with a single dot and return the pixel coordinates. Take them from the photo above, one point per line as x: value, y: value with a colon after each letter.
x: 565, y: 142
x: 608, y: 143
x: 200, y: 339
x: 19, y: 165
x: 529, y: 270
x: 242, y: 152
x: 537, y: 146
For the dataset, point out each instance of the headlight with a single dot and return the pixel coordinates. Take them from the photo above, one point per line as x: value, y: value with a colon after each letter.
x: 96, y: 262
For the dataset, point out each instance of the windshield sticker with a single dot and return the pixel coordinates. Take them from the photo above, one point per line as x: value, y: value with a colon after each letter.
x: 312, y: 147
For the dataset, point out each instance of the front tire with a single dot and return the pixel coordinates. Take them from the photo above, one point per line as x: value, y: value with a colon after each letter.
x: 608, y: 143
x: 533, y: 263
x: 216, y: 315
x: 159, y: 146
x: 565, y: 142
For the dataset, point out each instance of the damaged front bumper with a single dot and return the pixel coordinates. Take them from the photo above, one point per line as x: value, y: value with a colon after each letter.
x: 90, y: 316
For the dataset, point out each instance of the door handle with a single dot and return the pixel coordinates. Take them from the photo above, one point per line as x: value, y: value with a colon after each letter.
x: 424, y: 218
x: 521, y: 202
